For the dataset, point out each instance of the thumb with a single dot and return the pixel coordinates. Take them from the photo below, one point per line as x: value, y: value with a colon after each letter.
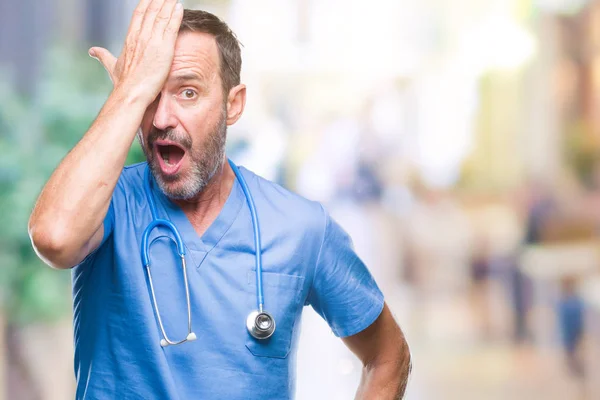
x: 107, y: 60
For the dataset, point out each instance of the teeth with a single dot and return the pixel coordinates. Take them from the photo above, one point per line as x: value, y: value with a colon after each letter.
x: 166, y: 156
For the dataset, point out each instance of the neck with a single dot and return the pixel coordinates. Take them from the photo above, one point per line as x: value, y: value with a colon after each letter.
x: 203, y: 209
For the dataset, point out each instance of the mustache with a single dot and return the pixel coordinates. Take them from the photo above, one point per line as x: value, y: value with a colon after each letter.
x: 181, y: 138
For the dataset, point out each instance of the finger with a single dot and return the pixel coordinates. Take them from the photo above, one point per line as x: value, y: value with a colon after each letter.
x: 150, y: 17
x: 163, y: 17
x: 172, y: 28
x: 105, y: 58
x: 138, y: 17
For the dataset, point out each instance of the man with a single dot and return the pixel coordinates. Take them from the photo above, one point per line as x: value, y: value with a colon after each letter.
x: 177, y: 82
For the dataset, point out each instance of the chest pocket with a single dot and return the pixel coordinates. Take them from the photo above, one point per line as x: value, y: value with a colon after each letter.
x: 282, y: 296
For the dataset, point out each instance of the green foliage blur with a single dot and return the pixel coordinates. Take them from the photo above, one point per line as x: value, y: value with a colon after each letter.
x: 36, y: 132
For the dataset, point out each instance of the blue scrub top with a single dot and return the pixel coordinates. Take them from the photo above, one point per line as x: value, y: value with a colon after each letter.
x: 307, y: 259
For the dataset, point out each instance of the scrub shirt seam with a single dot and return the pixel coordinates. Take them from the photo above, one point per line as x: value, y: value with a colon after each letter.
x: 319, y: 253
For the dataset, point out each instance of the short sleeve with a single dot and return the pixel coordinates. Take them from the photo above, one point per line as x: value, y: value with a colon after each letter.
x: 343, y: 290
x: 108, y: 224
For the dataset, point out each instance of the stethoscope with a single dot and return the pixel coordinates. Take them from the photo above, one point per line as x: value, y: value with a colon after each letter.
x: 260, y: 324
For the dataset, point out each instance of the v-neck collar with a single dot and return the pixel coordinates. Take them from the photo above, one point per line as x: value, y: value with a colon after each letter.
x: 217, y: 228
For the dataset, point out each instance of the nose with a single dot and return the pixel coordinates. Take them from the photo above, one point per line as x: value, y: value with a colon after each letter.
x: 164, y: 117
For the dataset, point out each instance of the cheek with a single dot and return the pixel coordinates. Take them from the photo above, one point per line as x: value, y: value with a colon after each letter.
x: 200, y: 122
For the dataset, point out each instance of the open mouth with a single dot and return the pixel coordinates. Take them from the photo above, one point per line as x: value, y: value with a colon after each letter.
x: 170, y: 156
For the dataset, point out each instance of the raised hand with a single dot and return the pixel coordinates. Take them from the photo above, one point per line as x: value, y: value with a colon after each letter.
x: 145, y: 61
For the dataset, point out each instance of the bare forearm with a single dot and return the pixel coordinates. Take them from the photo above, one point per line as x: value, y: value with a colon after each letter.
x: 67, y: 220
x: 386, y: 380
x: 74, y: 202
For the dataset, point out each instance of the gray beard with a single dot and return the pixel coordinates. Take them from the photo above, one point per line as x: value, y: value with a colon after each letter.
x: 204, y: 163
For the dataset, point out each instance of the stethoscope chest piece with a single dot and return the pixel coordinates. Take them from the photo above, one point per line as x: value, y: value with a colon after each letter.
x: 260, y: 324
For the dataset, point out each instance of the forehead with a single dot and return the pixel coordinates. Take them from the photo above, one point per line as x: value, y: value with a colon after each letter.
x: 198, y: 52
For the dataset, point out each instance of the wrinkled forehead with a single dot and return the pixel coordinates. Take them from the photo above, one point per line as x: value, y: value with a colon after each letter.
x: 197, y: 53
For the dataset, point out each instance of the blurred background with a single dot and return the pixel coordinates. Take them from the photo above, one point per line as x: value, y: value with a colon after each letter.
x: 458, y: 141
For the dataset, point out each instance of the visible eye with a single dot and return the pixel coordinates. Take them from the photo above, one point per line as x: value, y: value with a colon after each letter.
x: 188, y: 94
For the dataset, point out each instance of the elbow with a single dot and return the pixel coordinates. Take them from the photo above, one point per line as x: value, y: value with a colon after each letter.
x: 51, y: 245
x: 403, y: 368
x: 403, y: 359
x: 405, y: 355
x: 407, y: 362
x: 396, y: 356
x: 394, y: 369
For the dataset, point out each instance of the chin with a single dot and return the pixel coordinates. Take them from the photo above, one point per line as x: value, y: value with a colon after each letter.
x: 181, y: 189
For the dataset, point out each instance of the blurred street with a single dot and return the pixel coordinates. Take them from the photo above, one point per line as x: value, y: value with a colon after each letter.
x: 461, y: 341
x: 457, y: 141
x: 449, y: 363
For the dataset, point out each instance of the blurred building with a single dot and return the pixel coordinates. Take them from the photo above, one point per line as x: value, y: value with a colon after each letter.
x: 436, y: 100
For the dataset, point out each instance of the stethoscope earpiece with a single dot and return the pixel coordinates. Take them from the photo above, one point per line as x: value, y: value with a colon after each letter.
x: 260, y: 324
x: 190, y: 337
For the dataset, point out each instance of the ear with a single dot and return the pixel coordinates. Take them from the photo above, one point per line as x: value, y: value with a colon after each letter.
x: 236, y: 101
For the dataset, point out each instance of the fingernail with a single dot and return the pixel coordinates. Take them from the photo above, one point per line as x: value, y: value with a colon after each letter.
x: 92, y: 53
x: 179, y: 7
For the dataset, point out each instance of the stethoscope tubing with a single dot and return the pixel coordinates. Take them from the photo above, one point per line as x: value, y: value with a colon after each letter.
x: 144, y: 248
x: 255, y: 226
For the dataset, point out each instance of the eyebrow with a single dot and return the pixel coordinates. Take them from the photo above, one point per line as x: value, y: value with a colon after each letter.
x: 188, y: 77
